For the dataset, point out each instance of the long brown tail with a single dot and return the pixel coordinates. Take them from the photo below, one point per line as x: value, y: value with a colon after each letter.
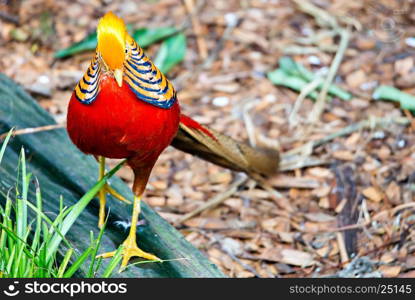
x: 222, y: 150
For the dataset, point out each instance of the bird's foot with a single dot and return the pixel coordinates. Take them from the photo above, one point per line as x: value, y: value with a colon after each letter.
x: 107, y: 189
x: 102, y: 194
x: 130, y: 249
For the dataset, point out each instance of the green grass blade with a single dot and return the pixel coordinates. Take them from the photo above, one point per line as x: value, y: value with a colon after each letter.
x: 148, y: 36
x: 21, y: 209
x: 77, y: 210
x: 279, y: 77
x: 6, y: 220
x: 78, y: 263
x: 294, y: 69
x: 38, y: 228
x: 17, y: 239
x: 64, y: 263
x: 88, y: 43
x: 113, y: 263
x: 171, y: 52
x: 97, y: 244
x: 144, y: 37
x: 6, y: 141
x: 54, y: 224
x: 154, y: 261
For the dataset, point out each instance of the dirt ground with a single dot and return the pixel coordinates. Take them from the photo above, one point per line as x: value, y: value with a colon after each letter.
x: 346, y: 207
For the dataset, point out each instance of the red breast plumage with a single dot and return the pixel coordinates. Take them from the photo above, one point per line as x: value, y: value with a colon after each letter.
x: 119, y: 125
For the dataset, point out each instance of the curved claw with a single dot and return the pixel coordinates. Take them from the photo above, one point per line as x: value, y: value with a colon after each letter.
x: 128, y: 253
x: 102, y: 194
x: 110, y: 190
x: 130, y: 248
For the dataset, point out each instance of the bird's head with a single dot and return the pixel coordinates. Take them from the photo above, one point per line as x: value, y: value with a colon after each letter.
x: 112, y: 44
x: 119, y: 56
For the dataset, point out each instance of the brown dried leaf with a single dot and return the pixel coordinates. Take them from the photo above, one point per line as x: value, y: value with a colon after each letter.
x: 356, y: 78
x: 212, y: 223
x: 387, y: 258
x: 319, y: 217
x: 343, y: 155
x: 324, y: 203
x: 283, y: 181
x: 320, y: 172
x: 410, y: 274
x: 156, y: 201
x: 390, y: 271
x: 393, y: 192
x: 288, y: 256
x: 286, y: 237
x: 220, y: 177
x: 404, y: 66
x: 322, y: 191
x: 373, y: 194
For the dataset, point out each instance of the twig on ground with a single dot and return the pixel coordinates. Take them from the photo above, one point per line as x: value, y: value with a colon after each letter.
x: 323, y: 18
x: 217, y: 239
x: 249, y: 125
x: 283, y: 181
x: 342, y: 247
x: 309, y: 88
x: 231, y: 22
x: 401, y: 207
x: 293, y: 68
x: 316, y: 38
x: 279, y: 199
x: 34, y: 130
x: 319, y: 105
x: 241, y: 263
x: 295, y: 76
x: 215, y: 201
x: 9, y: 18
x: 370, y: 123
x: 298, y: 162
x: 201, y: 42
x: 308, y: 50
x: 360, y: 225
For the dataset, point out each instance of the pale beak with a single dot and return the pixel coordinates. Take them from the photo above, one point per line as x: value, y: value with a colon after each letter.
x: 118, y: 74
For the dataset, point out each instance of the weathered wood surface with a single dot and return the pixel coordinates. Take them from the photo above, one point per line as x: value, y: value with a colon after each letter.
x: 63, y: 170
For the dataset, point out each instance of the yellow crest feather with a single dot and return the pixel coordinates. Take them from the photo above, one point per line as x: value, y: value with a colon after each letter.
x: 112, y: 33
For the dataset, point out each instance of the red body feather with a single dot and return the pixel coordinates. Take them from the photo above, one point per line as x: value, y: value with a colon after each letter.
x: 118, y: 125
x: 196, y: 126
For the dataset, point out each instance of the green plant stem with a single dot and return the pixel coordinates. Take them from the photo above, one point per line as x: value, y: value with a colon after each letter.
x: 385, y: 92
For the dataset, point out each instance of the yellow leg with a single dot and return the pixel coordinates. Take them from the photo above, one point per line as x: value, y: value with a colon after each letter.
x: 130, y: 244
x: 101, y: 193
x: 106, y: 189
